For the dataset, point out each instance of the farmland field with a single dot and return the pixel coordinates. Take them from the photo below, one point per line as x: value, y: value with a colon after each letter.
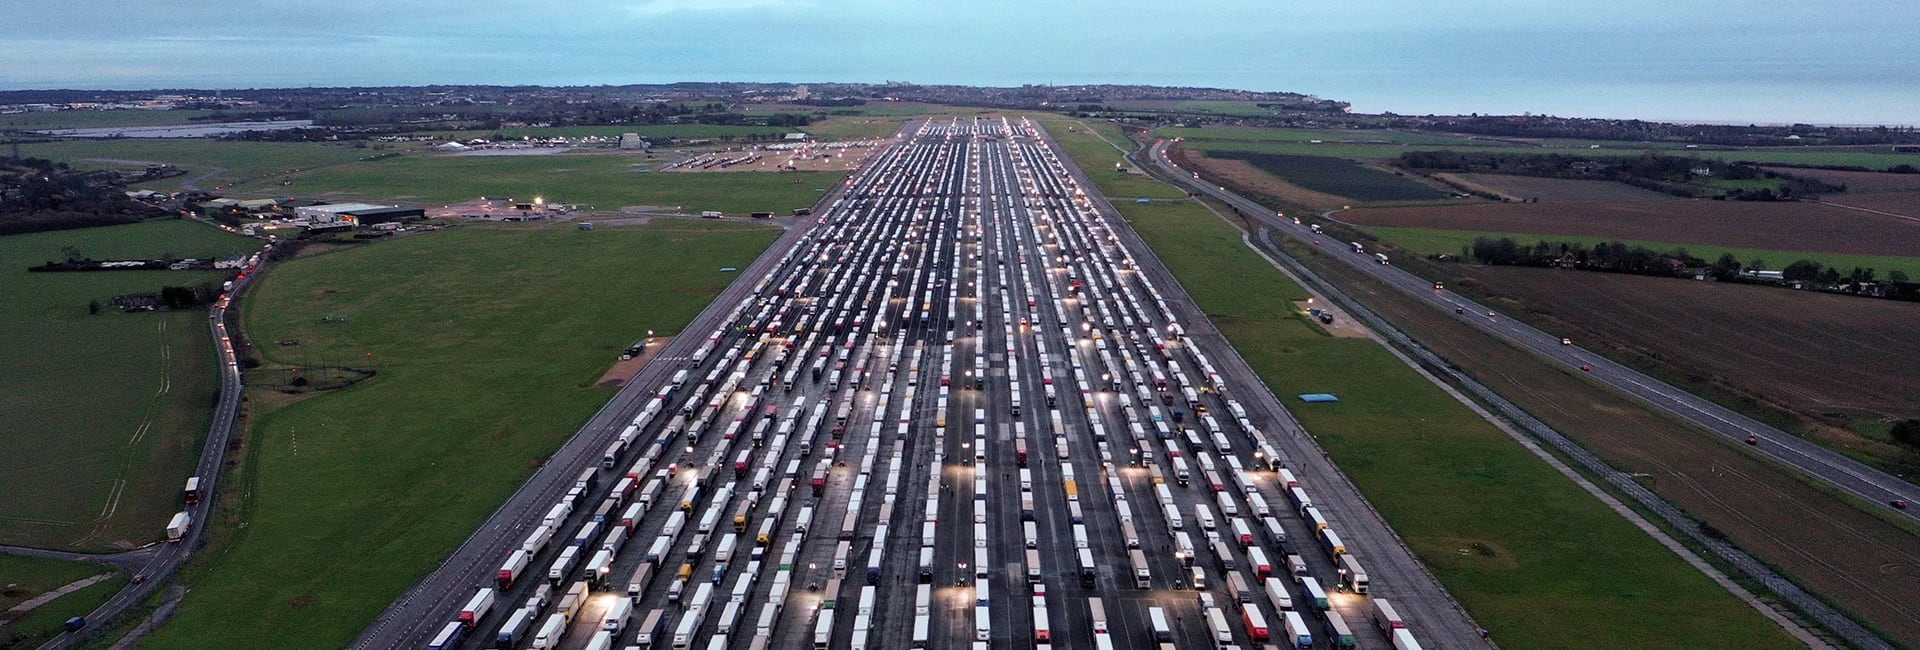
x: 1446, y: 479
x: 1794, y: 156
x: 1815, y: 352
x: 488, y: 344
x: 1338, y: 176
x: 1558, y: 189
x: 1905, y: 204
x: 604, y: 181
x: 1248, y: 179
x: 240, y: 161
x: 1259, y: 134
x: 1857, y: 182
x: 1792, y: 226
x: 103, y: 412
x: 1854, y: 558
x: 1433, y: 241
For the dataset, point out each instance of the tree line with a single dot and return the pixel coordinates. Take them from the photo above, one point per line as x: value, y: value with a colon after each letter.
x: 38, y: 195
x: 1619, y: 257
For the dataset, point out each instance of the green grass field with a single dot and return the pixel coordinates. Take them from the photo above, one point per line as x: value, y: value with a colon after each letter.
x: 241, y: 161
x: 488, y: 344
x: 602, y: 180
x: 103, y: 412
x: 1429, y: 241
x: 93, y: 119
x: 1530, y: 555
x: 35, y: 576
x: 1338, y: 176
x: 1097, y: 158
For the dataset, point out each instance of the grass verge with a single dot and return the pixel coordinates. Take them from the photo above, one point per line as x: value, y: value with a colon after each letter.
x: 487, y: 344
x: 1530, y: 555
x: 103, y: 411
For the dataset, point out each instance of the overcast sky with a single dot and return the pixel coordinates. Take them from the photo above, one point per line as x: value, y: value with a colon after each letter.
x: 1845, y: 61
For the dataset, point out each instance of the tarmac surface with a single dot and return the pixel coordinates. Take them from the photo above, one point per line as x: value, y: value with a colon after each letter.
x: 966, y: 408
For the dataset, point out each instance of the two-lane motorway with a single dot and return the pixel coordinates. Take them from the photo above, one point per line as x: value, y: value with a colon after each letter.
x: 1816, y: 461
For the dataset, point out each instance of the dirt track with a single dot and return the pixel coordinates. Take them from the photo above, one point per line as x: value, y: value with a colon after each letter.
x: 1779, y: 226
x: 1863, y: 563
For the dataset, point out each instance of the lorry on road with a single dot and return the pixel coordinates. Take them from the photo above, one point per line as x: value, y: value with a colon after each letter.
x: 1382, y: 258
x: 178, y: 526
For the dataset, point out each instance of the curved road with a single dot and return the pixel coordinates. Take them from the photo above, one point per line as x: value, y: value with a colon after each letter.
x: 1828, y: 466
x: 165, y: 558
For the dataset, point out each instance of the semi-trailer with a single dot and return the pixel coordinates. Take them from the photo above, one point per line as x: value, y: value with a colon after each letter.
x: 477, y: 607
x: 178, y: 526
x: 1297, y: 630
x: 516, y: 563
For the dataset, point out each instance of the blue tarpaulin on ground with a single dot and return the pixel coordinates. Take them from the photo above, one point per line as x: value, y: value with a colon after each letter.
x: 1318, y: 397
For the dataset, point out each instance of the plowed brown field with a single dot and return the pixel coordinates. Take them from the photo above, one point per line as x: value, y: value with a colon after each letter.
x: 1851, y: 557
x: 1777, y: 226
x: 1812, y: 352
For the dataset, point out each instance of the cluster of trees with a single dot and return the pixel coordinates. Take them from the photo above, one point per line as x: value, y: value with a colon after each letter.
x: 38, y: 195
x: 1611, y: 256
x: 1618, y: 257
x: 1906, y: 432
x: 1649, y: 170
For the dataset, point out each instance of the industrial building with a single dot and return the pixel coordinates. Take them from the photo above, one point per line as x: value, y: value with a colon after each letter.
x: 361, y: 214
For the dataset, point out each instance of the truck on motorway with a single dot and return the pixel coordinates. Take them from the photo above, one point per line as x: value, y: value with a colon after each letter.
x: 823, y: 630
x: 1357, y: 248
x: 1277, y: 592
x: 1403, y: 639
x: 1297, y: 631
x: 550, y: 632
x: 477, y: 607
x: 1316, y: 595
x: 1385, y: 617
x: 653, y: 628
x: 1352, y: 577
x: 178, y: 526
x: 193, y: 490
x: 617, y: 615
x: 1157, y: 622
x: 1217, y: 623
x: 516, y: 625
x: 516, y: 563
x: 1142, y: 577
x: 1382, y: 259
x: 1342, y: 636
x: 449, y: 637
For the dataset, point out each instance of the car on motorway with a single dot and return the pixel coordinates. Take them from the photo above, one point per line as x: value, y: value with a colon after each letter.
x: 1898, y: 503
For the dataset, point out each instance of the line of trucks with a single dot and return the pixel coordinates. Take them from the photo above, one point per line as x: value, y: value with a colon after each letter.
x: 583, y: 563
